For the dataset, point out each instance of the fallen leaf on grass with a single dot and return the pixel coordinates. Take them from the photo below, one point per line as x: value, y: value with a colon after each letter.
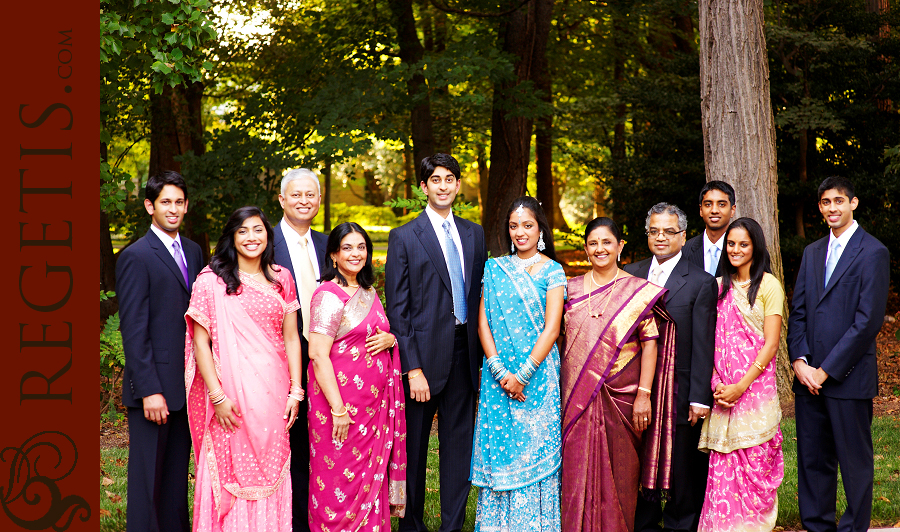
x: 105, y: 513
x: 106, y: 481
x: 885, y: 499
x: 878, y: 457
x: 897, y: 524
x: 113, y: 497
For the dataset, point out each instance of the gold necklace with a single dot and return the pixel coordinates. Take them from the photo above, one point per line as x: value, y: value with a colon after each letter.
x: 608, y: 295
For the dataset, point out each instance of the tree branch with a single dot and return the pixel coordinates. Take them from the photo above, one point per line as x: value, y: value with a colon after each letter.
x: 477, y: 14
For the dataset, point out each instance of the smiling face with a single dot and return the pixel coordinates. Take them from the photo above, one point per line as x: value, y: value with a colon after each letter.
x: 300, y: 202
x: 739, y: 248
x: 716, y: 210
x: 351, y: 255
x: 602, y: 249
x: 441, y: 188
x: 664, y: 246
x: 524, y: 231
x: 251, y: 238
x: 167, y: 212
x: 837, y: 209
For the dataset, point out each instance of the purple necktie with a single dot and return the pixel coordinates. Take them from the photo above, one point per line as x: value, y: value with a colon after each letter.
x: 180, y: 260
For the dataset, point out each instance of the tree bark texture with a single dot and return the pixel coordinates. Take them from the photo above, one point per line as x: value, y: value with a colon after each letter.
x: 525, y: 33
x: 326, y: 199
x: 738, y: 126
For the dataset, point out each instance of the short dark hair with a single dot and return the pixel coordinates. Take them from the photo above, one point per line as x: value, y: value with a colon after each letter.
x: 720, y: 186
x: 602, y: 221
x: 841, y: 184
x: 366, y: 277
x: 760, y: 262
x: 156, y: 183
x: 426, y: 168
x: 534, y: 206
x: 224, y: 262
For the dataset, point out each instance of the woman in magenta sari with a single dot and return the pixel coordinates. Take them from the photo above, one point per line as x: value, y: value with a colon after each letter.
x: 742, y: 433
x: 617, y: 379
x: 357, y: 423
x: 242, y: 374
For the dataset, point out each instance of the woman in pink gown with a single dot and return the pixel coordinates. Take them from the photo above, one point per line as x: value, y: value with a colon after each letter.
x: 357, y: 420
x: 242, y: 373
x: 742, y: 433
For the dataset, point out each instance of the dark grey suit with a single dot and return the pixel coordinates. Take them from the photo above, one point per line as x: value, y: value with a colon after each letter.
x: 420, y: 309
x: 834, y: 327
x: 153, y: 298
x: 693, y: 252
x: 691, y: 301
x: 299, y: 434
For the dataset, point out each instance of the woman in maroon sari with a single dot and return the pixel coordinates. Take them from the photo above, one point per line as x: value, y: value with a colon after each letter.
x: 357, y: 422
x: 617, y: 389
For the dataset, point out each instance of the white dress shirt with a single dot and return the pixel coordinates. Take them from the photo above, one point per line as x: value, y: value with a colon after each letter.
x: 842, y: 240
x: 168, y: 241
x: 292, y: 239
x: 707, y: 245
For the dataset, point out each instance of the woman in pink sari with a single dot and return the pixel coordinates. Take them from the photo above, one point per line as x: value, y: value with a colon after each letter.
x: 242, y: 374
x: 742, y: 433
x: 617, y: 380
x: 357, y: 422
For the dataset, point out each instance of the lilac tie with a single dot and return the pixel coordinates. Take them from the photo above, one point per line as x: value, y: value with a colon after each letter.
x: 179, y: 258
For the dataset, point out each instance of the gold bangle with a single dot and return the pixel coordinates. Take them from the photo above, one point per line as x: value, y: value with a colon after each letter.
x: 414, y: 376
x: 759, y: 367
x: 339, y: 415
x: 642, y: 389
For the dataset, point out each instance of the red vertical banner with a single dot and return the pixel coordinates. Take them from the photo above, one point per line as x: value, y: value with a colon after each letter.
x: 49, y: 445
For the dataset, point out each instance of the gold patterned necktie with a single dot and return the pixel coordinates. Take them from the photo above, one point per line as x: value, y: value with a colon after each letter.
x: 306, y: 284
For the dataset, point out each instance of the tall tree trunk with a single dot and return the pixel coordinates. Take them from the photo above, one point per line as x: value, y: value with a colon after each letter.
x: 738, y: 126
x: 326, y: 198
x: 107, y: 257
x: 411, y: 52
x: 802, y: 171
x: 543, y: 141
x: 525, y: 33
x: 483, y: 177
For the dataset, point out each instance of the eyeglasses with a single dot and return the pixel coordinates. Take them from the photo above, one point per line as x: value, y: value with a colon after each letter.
x: 668, y: 233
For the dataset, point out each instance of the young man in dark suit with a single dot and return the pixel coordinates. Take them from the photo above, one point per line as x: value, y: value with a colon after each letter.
x: 837, y: 310
x: 691, y: 301
x: 716, y: 208
x: 302, y: 251
x: 154, y: 276
x: 433, y: 287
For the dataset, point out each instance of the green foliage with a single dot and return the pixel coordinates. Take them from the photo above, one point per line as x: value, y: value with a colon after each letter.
x: 420, y: 200
x: 112, y: 362
x: 365, y: 215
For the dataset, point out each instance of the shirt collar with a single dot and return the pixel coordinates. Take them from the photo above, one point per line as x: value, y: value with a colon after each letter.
x: 667, y: 266
x: 437, y: 221
x: 707, y: 243
x: 291, y: 234
x: 845, y: 236
x: 166, y: 239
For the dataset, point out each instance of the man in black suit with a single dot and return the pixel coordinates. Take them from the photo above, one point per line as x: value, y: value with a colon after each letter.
x: 154, y: 276
x: 302, y: 251
x: 837, y: 310
x: 433, y: 287
x: 691, y: 300
x: 716, y: 208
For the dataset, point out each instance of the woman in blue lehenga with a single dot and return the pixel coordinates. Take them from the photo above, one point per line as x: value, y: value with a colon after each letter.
x: 516, y: 456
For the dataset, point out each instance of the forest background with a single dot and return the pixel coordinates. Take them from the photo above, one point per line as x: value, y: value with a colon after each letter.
x: 592, y: 107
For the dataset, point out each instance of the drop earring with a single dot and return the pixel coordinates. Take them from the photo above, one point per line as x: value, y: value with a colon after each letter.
x: 512, y: 248
x: 541, y: 246
x: 620, y: 257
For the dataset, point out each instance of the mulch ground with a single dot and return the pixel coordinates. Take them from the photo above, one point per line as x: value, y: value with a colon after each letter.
x: 574, y: 263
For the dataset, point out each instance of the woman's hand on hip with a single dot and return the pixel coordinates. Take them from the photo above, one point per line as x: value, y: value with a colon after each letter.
x: 641, y: 412
x: 227, y: 414
x: 380, y: 341
x: 291, y: 411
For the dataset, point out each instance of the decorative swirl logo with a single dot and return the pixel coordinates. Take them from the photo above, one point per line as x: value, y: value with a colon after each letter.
x: 32, y: 499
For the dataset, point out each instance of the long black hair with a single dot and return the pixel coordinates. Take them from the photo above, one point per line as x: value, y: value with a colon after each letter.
x: 534, y: 206
x: 224, y: 261
x: 602, y: 221
x: 366, y: 277
x: 759, y: 261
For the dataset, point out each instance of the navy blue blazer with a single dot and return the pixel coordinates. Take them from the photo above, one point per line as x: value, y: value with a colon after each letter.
x: 420, y: 298
x: 835, y: 326
x: 153, y: 298
x: 691, y: 301
x: 693, y: 252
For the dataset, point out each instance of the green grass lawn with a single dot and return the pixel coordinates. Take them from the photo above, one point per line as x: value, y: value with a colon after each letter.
x: 885, y: 508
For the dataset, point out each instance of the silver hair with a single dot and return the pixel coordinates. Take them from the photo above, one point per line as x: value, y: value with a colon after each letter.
x: 666, y: 208
x: 300, y: 173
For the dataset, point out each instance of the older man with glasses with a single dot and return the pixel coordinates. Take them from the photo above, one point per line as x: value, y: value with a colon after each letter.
x: 691, y: 301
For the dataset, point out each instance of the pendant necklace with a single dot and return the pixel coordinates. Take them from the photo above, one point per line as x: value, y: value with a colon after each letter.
x: 608, y: 295
x: 525, y: 263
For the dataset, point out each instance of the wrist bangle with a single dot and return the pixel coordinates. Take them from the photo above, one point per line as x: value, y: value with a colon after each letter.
x: 759, y: 367
x: 338, y: 415
x: 414, y: 376
x: 295, y: 396
x: 642, y: 389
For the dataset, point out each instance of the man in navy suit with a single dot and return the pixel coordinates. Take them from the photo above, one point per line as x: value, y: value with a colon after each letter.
x: 302, y: 251
x: 154, y: 276
x: 837, y: 310
x: 716, y: 208
x: 691, y: 300
x: 433, y: 288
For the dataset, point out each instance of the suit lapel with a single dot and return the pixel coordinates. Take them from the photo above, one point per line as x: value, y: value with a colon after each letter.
x: 425, y: 232
x: 320, y: 242
x: 468, y: 243
x: 818, y: 257
x: 163, y: 255
x: 282, y: 255
x: 676, y: 279
x: 643, y: 269
x: 847, y: 257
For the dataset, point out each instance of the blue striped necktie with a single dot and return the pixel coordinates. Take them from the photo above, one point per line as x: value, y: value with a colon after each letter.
x: 456, y: 276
